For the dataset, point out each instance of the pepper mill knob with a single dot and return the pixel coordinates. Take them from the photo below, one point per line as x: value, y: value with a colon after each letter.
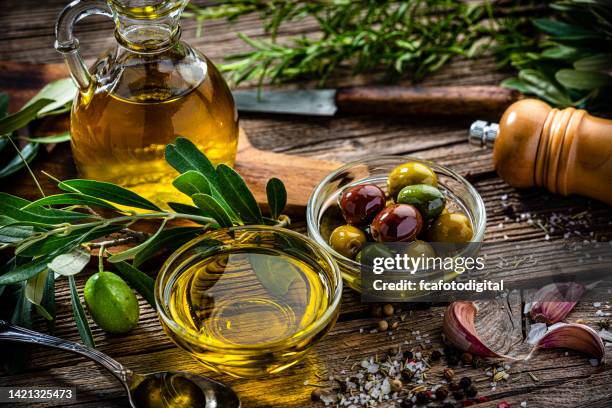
x: 567, y: 151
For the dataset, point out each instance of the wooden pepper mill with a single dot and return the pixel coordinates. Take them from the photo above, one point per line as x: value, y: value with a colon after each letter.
x: 567, y: 151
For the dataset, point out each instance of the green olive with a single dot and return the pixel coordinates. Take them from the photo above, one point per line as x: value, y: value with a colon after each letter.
x: 451, y: 227
x: 373, y: 250
x: 408, y: 174
x: 427, y: 199
x: 111, y: 303
x: 347, y: 240
x: 420, y: 248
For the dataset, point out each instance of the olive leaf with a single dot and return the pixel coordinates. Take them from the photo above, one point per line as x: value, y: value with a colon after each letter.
x: 139, y: 280
x: 183, y: 155
x: 122, y: 256
x: 277, y: 197
x: 212, y: 209
x: 13, y: 207
x: 26, y: 155
x: 169, y: 239
x: 79, y: 315
x: 61, y: 92
x: 4, y: 103
x: 17, y: 120
x: 48, y: 300
x: 108, y: 191
x: 71, y: 263
x: 192, y: 182
x: 11, y: 234
x: 70, y: 199
x: 238, y: 195
x: 34, y: 292
x: 59, y: 138
x: 23, y: 272
x: 61, y: 243
x: 564, y: 31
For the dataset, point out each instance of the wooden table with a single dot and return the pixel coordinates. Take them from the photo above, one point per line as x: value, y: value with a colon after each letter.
x: 563, y: 379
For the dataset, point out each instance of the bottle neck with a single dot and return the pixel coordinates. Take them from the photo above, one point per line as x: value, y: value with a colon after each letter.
x: 147, y: 26
x: 147, y: 36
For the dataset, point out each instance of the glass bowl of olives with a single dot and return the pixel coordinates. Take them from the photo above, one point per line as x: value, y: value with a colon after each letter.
x: 392, y: 199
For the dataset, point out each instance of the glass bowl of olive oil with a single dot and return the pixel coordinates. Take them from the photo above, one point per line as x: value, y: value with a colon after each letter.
x: 248, y: 301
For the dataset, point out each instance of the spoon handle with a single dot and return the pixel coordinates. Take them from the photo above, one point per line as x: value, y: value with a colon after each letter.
x: 19, y: 334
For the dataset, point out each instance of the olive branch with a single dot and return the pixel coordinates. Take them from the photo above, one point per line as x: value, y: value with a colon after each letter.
x: 53, y: 236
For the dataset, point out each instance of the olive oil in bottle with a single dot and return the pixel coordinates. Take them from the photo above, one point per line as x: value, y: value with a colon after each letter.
x: 144, y: 93
x: 244, y: 304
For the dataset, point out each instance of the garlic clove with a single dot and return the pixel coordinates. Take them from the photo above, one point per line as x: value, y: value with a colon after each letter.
x: 460, y: 330
x: 572, y: 336
x: 553, y: 302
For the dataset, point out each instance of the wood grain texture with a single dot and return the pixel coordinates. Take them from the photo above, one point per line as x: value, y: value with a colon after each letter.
x: 563, y: 380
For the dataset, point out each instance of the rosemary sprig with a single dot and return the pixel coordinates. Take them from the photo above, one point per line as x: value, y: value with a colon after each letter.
x: 57, y: 232
x: 417, y: 37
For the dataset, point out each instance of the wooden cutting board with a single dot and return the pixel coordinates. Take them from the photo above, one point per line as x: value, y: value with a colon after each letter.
x: 22, y: 81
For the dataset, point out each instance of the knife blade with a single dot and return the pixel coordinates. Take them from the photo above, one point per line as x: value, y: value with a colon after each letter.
x: 387, y: 100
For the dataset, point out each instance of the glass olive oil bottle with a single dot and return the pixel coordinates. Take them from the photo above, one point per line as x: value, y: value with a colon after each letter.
x: 141, y: 95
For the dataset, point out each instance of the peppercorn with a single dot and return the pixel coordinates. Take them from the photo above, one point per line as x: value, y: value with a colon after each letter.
x: 396, y: 385
x: 449, y: 373
x: 503, y: 404
x: 422, y: 397
x: 453, y: 386
x: 394, y: 325
x: 435, y: 355
x: 316, y: 394
x: 388, y: 310
x: 471, y: 392
x: 407, y: 375
x: 383, y: 326
x: 441, y: 393
x: 408, y: 355
x: 465, y: 382
x: 466, y: 358
x: 458, y: 395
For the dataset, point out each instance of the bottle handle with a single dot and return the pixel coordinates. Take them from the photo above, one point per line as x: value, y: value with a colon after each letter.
x: 67, y: 44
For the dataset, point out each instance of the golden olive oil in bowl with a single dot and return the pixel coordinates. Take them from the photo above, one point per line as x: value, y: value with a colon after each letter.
x: 248, y: 301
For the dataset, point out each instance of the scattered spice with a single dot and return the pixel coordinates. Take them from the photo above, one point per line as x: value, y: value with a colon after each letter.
x: 465, y: 382
x: 383, y: 325
x: 315, y: 395
x: 388, y: 310
x: 503, y: 404
x: 467, y: 358
x: 396, y: 385
x: 449, y: 373
x: 441, y: 393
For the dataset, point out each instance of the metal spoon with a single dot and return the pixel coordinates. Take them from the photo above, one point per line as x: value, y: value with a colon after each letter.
x: 176, y: 389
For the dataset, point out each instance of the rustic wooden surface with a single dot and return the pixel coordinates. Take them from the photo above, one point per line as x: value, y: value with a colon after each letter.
x: 564, y: 379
